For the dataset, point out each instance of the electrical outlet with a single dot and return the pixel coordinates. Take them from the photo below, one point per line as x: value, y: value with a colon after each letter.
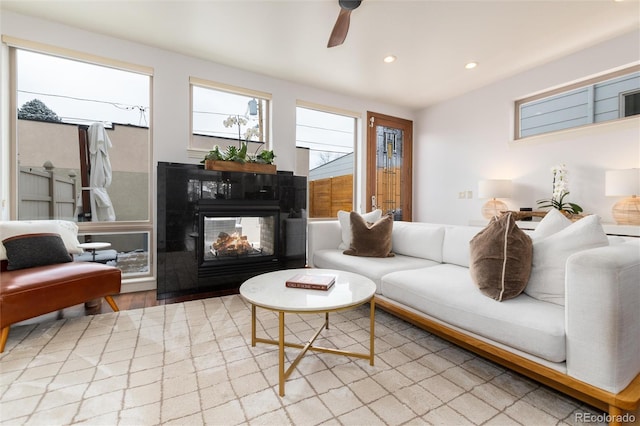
x: 469, y: 194
x: 461, y: 195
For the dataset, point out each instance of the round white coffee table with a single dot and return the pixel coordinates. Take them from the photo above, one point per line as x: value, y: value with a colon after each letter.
x: 268, y: 291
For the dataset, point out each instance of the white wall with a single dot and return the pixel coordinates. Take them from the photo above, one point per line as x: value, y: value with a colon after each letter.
x: 170, y: 107
x: 469, y: 138
x: 456, y: 143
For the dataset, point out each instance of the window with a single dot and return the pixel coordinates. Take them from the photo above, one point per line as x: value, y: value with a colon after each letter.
x: 630, y: 103
x: 223, y: 115
x: 606, y: 98
x: 329, y: 138
x: 129, y: 251
x: 58, y: 97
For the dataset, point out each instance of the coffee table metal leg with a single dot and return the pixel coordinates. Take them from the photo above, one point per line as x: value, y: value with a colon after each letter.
x: 372, y: 319
x: 281, y: 352
x: 283, y: 373
x: 253, y: 325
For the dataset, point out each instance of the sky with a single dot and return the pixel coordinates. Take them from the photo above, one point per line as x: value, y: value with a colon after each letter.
x: 82, y: 92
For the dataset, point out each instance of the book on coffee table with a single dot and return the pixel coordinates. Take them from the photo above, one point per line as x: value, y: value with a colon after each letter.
x: 313, y: 282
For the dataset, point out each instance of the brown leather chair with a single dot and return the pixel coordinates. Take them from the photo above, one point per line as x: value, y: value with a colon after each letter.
x: 31, y: 292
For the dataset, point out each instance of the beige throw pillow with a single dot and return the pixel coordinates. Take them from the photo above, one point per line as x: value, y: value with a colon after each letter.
x: 500, y: 259
x: 370, y: 239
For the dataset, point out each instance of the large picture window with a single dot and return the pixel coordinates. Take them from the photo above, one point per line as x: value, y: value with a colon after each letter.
x: 61, y: 105
x: 81, y: 149
x: 613, y: 96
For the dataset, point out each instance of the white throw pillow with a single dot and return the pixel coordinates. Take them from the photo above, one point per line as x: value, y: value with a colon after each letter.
x: 345, y: 225
x: 67, y: 230
x: 552, y: 222
x: 550, y: 257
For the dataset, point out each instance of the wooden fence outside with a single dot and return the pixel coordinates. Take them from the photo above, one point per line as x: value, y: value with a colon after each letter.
x: 46, y: 195
x: 327, y: 196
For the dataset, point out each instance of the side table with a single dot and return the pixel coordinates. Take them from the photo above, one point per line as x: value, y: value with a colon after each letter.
x: 92, y: 247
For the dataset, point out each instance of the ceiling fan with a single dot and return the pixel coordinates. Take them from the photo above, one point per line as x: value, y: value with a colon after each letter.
x: 340, y: 29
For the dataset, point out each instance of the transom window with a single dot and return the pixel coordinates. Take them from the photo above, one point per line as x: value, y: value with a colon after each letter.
x: 610, y: 97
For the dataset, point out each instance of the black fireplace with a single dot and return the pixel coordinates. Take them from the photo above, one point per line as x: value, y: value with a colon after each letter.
x: 217, y: 229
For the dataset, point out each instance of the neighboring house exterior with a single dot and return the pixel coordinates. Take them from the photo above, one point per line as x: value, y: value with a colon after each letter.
x: 338, y: 167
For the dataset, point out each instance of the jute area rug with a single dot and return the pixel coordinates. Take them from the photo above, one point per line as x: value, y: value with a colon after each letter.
x: 192, y: 363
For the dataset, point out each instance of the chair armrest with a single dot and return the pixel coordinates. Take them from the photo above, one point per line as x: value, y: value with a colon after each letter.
x: 322, y: 235
x: 602, y: 315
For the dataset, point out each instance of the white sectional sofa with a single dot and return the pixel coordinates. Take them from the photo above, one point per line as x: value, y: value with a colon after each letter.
x: 588, y: 348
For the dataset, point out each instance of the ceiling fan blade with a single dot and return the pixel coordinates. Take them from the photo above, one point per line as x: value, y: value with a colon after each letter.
x: 340, y: 29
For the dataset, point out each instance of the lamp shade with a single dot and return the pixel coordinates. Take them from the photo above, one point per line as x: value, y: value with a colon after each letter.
x: 622, y: 183
x: 494, y: 188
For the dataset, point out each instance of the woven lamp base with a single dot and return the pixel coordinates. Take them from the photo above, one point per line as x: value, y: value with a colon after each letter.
x: 493, y: 208
x: 627, y: 211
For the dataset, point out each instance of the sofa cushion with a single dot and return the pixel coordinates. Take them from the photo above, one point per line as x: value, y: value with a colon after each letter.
x: 345, y: 225
x: 67, y: 230
x: 370, y: 239
x: 455, y: 246
x: 371, y: 267
x: 30, y: 250
x: 550, y: 257
x: 446, y: 292
x: 501, y: 259
x: 418, y: 240
x: 552, y: 222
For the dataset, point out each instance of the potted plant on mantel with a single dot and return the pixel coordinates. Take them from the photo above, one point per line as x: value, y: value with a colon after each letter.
x: 237, y: 159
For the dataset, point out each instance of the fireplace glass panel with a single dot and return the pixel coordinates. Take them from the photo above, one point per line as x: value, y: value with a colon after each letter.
x: 231, y: 237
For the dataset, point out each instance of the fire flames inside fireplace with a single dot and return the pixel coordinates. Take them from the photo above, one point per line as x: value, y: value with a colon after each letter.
x: 228, y: 238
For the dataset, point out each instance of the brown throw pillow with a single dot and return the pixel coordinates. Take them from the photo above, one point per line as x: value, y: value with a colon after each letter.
x: 501, y: 256
x: 370, y: 239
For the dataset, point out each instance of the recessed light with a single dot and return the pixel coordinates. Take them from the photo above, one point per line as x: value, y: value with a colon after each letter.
x: 390, y: 58
x: 471, y: 65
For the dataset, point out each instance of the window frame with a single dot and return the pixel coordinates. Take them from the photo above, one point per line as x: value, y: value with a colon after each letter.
x: 621, y: 99
x: 357, y: 119
x: 565, y: 89
x: 199, y: 153
x: 145, y: 226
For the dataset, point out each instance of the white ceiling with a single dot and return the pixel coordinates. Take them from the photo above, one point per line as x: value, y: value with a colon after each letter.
x: 432, y: 40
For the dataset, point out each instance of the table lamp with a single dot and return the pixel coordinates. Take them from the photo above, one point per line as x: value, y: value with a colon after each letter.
x: 624, y: 183
x: 494, y: 188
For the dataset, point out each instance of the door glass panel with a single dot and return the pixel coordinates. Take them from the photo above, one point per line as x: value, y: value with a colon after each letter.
x: 389, y: 147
